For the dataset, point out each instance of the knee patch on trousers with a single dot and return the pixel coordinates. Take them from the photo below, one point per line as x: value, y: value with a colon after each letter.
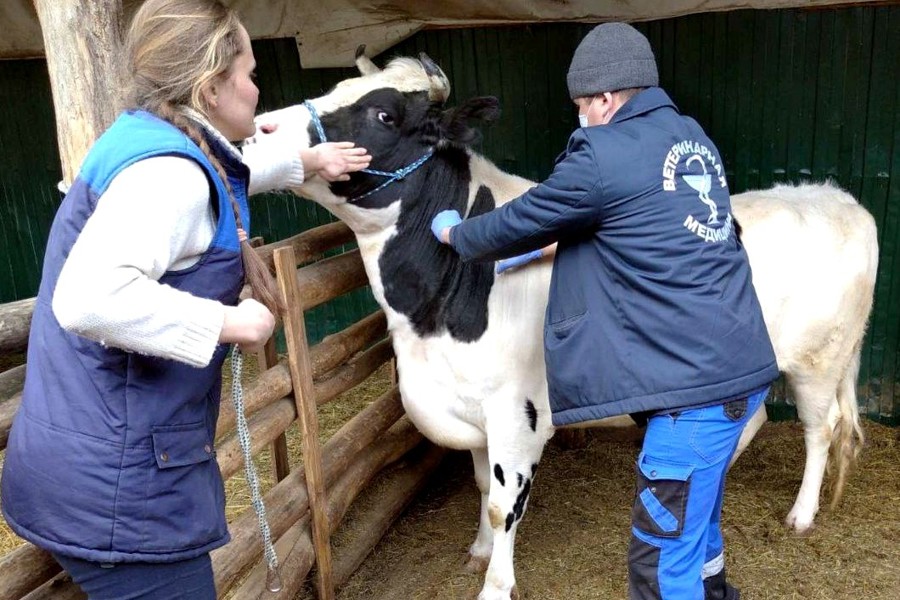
x: 661, y: 498
x: 643, y: 570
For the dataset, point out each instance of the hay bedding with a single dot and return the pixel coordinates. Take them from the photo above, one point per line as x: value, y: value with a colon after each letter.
x: 573, y: 541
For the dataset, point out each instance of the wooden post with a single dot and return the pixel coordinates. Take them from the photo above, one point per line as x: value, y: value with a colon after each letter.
x: 395, y: 374
x: 82, y: 41
x: 266, y: 359
x: 301, y: 376
x: 281, y: 465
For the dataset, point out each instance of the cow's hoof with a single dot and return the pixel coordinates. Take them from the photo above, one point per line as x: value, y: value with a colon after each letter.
x: 477, y: 564
x: 800, y: 524
x: 512, y: 594
x: 571, y: 439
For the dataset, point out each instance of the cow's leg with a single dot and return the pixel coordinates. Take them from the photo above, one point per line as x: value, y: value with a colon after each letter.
x: 516, y: 439
x: 818, y: 410
x: 750, y: 431
x: 507, y: 504
x: 480, y: 550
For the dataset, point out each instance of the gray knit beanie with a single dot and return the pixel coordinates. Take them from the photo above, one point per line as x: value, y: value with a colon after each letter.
x: 612, y: 57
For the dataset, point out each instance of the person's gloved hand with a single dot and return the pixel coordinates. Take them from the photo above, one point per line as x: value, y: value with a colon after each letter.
x: 442, y: 221
x: 518, y: 261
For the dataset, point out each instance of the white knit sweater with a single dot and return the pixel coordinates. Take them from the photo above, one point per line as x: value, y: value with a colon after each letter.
x: 156, y: 216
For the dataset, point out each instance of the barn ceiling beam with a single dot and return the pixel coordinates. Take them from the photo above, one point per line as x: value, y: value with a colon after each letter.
x: 329, y: 38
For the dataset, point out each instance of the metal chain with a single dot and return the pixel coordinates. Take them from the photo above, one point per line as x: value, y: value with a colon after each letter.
x: 273, y: 580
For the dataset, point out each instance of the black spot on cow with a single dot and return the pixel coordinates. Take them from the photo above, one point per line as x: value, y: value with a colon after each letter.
x: 473, y: 288
x: 422, y: 278
x: 519, y: 479
x: 533, y: 469
x: 498, y: 473
x: 531, y: 411
x: 519, y: 507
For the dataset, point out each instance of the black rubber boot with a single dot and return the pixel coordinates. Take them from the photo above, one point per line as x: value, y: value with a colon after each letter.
x: 716, y: 588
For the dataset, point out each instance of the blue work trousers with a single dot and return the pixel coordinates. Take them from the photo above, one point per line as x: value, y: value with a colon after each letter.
x: 183, y: 580
x: 676, y: 540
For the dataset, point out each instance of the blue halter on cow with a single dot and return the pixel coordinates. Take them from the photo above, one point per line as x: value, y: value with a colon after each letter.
x: 469, y: 343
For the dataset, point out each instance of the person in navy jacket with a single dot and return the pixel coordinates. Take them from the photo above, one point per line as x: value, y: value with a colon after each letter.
x: 111, y: 463
x: 652, y: 309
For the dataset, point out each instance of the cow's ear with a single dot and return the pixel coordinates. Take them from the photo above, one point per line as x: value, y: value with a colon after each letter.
x: 482, y: 108
x: 454, y: 123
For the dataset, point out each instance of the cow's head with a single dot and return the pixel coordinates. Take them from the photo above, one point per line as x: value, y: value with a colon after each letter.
x: 398, y: 115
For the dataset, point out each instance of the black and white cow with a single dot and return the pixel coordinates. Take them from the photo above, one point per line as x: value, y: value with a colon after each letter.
x: 469, y: 343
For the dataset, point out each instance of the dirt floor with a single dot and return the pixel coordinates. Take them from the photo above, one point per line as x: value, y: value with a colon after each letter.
x: 573, y: 541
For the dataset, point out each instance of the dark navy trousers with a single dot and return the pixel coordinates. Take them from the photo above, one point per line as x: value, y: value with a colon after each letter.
x: 183, y: 580
x: 676, y: 540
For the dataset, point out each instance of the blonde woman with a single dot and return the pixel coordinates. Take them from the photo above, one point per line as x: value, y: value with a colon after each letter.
x: 110, y: 463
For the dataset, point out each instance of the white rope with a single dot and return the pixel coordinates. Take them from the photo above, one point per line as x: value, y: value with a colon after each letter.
x: 273, y: 580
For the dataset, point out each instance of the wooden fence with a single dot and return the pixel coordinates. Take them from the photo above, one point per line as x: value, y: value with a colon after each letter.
x: 305, y: 505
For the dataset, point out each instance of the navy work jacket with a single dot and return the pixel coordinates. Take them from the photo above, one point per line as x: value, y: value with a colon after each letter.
x: 651, y: 305
x: 110, y: 457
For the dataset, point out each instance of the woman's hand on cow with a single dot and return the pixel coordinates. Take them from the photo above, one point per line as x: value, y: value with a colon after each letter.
x: 249, y: 325
x: 443, y: 222
x: 334, y: 161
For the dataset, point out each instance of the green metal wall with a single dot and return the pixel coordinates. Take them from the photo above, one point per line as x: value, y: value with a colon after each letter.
x: 788, y: 95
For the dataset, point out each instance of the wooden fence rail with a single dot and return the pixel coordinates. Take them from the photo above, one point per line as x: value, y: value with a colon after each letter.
x: 347, y: 462
x: 318, y: 283
x: 15, y: 321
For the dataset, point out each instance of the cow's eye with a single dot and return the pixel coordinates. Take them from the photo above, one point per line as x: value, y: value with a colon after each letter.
x: 385, y: 118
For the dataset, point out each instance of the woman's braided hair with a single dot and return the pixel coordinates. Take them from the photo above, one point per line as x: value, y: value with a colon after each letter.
x: 174, y: 49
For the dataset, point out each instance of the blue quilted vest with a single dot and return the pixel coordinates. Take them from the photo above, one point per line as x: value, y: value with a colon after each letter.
x: 110, y: 457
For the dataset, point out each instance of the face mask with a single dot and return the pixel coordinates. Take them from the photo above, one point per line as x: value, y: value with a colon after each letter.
x: 583, y: 118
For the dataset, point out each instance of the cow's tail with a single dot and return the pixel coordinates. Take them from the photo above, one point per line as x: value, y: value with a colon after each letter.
x: 847, y: 438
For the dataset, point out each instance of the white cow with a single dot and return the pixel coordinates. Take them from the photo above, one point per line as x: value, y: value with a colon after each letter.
x: 468, y: 344
x: 814, y: 254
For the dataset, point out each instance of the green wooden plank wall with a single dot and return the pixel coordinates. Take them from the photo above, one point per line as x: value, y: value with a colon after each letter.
x: 788, y: 95
x: 30, y: 169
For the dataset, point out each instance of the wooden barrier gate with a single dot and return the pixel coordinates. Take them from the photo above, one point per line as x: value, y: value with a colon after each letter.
x: 305, y: 506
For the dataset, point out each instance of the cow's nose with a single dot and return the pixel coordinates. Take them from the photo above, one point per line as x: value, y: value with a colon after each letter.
x: 268, y: 127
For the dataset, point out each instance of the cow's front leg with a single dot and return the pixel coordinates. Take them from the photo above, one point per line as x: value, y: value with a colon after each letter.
x: 515, y: 442
x: 480, y: 550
